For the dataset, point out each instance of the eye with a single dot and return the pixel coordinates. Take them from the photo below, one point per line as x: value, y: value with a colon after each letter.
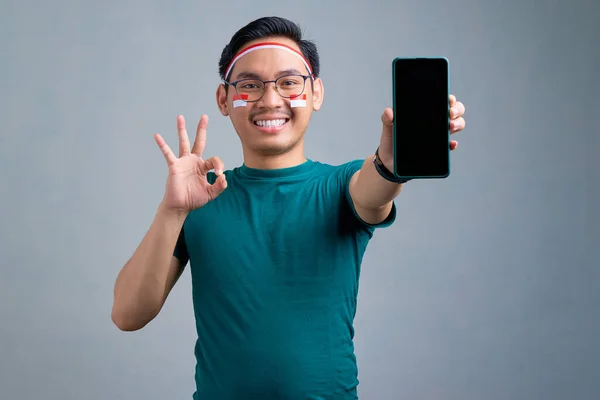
x: 289, y: 82
x: 249, y: 85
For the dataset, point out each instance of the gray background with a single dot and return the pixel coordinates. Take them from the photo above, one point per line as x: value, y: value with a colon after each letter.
x: 487, y: 287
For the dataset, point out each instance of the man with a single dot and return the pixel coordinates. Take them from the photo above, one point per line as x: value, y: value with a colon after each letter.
x: 275, y: 245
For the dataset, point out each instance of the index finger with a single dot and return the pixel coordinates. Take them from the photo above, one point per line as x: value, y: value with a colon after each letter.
x: 200, y: 142
x: 452, y: 100
x: 165, y: 149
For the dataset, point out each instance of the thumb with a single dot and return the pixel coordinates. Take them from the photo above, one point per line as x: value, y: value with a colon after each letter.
x: 387, y: 119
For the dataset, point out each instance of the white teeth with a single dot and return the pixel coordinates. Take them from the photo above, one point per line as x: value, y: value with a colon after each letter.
x: 270, y: 123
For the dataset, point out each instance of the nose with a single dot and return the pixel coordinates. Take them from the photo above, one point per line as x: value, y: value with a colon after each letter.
x: 271, y: 99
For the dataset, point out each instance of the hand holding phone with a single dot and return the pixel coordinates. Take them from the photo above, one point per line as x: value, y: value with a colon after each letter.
x: 421, y: 130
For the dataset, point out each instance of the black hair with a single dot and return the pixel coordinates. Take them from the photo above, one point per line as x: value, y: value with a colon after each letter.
x: 269, y: 27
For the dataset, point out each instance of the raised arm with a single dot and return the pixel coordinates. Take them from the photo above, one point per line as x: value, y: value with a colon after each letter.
x: 143, y: 284
x: 147, y: 278
x: 373, y: 195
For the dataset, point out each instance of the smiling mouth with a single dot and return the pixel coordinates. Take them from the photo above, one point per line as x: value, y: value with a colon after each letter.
x: 271, y: 123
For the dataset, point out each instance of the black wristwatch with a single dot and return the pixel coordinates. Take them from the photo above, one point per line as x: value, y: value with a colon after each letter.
x: 384, y: 172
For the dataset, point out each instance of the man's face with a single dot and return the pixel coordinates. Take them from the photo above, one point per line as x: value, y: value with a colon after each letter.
x: 270, y: 126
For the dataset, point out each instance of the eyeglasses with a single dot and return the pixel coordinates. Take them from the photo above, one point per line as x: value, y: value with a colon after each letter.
x: 287, y: 86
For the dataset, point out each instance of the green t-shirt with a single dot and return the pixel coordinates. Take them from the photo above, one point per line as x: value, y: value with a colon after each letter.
x: 275, y: 263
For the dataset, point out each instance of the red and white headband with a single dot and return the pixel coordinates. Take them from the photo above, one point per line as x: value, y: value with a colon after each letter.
x: 267, y: 45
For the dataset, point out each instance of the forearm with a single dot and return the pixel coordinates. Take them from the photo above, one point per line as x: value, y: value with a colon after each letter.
x: 371, y: 191
x: 140, y: 288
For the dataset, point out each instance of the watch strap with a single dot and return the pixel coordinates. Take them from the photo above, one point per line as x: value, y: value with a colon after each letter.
x: 384, y: 172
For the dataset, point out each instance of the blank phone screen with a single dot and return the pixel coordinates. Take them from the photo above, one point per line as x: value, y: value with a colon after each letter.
x: 421, y: 119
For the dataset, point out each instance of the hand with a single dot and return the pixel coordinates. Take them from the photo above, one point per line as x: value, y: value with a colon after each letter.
x: 187, y: 187
x: 457, y: 122
x: 386, y: 154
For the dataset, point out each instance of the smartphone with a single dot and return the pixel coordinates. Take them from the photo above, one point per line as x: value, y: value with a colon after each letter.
x: 421, y: 129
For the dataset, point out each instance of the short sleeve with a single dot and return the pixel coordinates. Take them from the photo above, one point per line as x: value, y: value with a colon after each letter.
x: 345, y: 173
x: 181, y: 251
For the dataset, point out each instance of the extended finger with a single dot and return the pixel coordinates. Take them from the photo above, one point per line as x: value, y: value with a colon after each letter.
x: 165, y: 149
x: 453, y: 144
x: 388, y: 116
x: 458, y: 110
x: 457, y: 125
x: 200, y: 142
x: 213, y: 163
x: 184, y: 140
x: 387, y: 119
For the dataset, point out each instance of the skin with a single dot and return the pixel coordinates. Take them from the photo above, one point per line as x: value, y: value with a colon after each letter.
x: 372, y: 195
x: 265, y: 150
x: 146, y: 279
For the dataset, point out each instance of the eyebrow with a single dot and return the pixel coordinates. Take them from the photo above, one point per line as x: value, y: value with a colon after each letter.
x: 252, y: 75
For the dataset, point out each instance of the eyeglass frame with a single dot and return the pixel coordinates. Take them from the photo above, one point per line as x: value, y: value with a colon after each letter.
x: 234, y: 84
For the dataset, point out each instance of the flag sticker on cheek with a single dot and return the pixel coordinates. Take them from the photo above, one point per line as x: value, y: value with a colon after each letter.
x: 239, y: 100
x: 298, y: 101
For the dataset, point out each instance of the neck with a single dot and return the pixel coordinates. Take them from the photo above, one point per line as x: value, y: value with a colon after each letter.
x: 290, y: 158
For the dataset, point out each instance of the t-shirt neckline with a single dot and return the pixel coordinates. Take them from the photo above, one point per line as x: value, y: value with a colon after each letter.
x: 288, y: 172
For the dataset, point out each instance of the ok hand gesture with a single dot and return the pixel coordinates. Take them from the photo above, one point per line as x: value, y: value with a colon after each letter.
x: 187, y: 187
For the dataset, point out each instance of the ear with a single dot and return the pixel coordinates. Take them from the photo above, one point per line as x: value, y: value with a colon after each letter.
x: 221, y: 96
x: 318, y: 94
